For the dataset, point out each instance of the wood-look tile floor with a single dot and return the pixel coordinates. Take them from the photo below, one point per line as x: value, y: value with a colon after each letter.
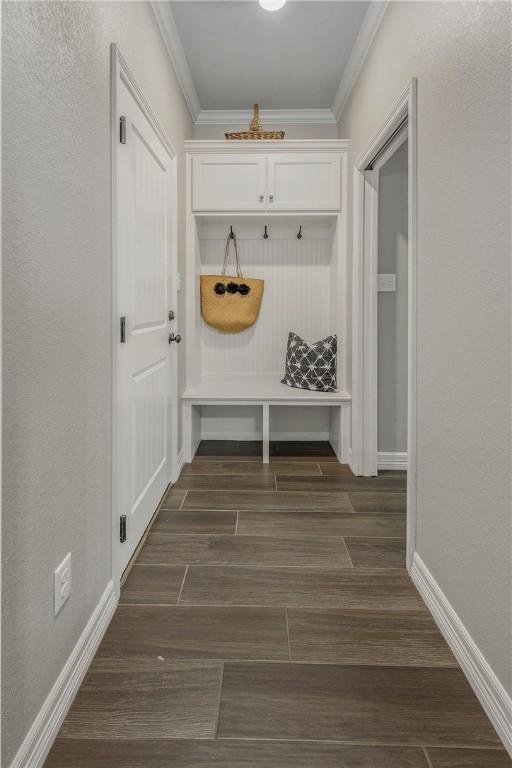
x: 269, y: 622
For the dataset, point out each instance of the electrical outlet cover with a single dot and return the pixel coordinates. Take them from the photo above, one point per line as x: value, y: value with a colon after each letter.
x: 62, y: 583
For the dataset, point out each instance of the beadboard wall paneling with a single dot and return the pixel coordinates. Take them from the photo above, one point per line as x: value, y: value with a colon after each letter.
x: 297, y: 297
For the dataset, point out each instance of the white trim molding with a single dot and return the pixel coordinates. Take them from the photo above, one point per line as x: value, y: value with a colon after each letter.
x: 44, y: 729
x: 172, y: 40
x: 180, y: 463
x: 362, y: 44
x: 392, y: 460
x: 364, y: 301
x: 215, y: 146
x: 490, y: 692
x: 268, y: 117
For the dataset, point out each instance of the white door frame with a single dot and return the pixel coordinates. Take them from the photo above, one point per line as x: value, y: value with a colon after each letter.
x: 364, y: 306
x: 120, y: 71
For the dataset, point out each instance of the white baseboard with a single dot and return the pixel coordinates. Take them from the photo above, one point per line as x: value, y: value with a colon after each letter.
x: 392, y: 460
x: 180, y: 462
x: 44, y: 729
x: 488, y: 689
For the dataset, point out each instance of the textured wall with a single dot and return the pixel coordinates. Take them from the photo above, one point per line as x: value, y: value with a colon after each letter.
x: 392, y: 306
x: 460, y: 53
x: 57, y: 315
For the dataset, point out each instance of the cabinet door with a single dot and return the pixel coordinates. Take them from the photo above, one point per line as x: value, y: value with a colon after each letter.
x: 305, y: 181
x: 228, y: 182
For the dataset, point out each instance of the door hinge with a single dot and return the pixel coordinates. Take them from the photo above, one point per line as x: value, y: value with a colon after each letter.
x: 122, y: 529
x: 123, y: 330
x: 122, y: 129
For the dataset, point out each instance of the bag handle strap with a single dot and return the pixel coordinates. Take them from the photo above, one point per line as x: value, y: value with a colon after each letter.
x: 232, y: 237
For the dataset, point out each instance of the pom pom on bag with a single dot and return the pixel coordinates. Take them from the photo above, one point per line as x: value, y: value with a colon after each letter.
x: 230, y: 304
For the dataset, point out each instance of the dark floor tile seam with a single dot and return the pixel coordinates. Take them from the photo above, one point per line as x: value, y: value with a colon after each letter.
x: 288, y: 634
x: 294, y: 607
x: 368, y: 743
x: 354, y: 535
x: 374, y: 570
x: 219, y: 700
x: 291, y: 662
x: 300, y: 510
x: 347, y: 743
x: 189, y: 475
x: 206, y: 511
x: 296, y: 536
x: 341, y: 510
x: 369, y: 569
x: 306, y: 567
x: 182, y: 585
x: 397, y: 490
x: 313, y: 742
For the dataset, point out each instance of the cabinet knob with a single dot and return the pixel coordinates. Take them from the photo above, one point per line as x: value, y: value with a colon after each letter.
x: 262, y: 197
x: 271, y: 198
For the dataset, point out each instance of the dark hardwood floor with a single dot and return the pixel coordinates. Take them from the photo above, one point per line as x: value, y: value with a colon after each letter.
x: 269, y: 622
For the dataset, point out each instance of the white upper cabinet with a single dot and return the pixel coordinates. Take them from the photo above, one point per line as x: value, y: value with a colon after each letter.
x: 229, y: 182
x: 277, y: 181
x: 304, y: 182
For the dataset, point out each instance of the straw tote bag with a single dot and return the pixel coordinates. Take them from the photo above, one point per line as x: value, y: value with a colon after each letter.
x: 230, y: 304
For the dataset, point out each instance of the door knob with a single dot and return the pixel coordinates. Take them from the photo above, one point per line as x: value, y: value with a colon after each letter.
x: 174, y: 337
x: 271, y: 198
x: 262, y: 197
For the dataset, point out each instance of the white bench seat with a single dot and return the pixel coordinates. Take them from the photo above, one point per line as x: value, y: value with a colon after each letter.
x: 264, y: 390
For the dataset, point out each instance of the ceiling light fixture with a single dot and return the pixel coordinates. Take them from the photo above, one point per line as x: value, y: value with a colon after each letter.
x: 272, y: 5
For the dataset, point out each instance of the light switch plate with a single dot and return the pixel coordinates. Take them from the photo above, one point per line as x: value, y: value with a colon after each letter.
x: 386, y: 282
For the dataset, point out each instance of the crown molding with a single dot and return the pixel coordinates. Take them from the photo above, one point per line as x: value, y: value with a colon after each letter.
x: 172, y: 41
x: 213, y: 146
x: 364, y: 39
x: 267, y: 116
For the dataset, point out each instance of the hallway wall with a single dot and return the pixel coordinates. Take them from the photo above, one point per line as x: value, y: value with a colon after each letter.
x: 460, y: 53
x: 57, y: 319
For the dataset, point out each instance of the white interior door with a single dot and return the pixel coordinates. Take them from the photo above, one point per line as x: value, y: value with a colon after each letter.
x: 144, y: 191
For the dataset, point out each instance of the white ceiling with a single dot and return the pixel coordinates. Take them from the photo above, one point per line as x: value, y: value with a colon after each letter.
x: 293, y: 58
x: 299, y: 63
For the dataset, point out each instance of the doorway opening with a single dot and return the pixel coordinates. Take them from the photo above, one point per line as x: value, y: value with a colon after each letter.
x: 392, y: 307
x: 384, y: 304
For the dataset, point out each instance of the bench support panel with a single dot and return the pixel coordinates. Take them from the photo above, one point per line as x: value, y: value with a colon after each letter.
x: 266, y: 433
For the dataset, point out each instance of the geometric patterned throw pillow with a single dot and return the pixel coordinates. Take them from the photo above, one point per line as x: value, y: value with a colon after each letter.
x: 311, y: 366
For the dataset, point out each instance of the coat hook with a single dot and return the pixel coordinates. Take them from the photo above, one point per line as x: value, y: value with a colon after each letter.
x: 299, y: 234
x: 231, y: 234
x: 265, y: 234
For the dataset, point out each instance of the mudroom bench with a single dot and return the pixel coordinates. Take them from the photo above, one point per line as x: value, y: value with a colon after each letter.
x: 262, y: 391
